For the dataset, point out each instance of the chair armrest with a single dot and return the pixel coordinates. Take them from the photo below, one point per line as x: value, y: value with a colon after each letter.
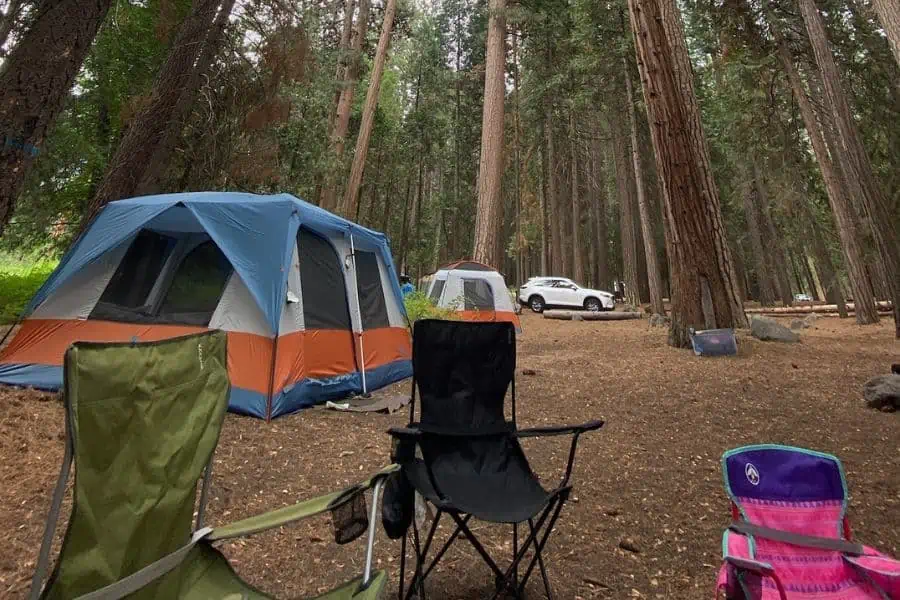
x: 405, y: 432
x: 296, y: 512
x: 551, y: 430
x: 143, y: 577
x: 759, y: 568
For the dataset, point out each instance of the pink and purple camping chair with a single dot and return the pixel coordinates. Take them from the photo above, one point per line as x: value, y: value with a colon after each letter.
x: 790, y: 537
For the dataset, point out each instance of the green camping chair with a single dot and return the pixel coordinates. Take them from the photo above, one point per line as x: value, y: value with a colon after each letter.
x: 142, y: 422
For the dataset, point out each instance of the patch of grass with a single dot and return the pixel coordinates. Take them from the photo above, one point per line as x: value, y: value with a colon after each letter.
x: 19, y: 280
x: 419, y: 306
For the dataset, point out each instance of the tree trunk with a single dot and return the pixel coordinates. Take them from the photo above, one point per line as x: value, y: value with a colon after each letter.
x: 132, y: 158
x: 344, y: 108
x: 598, y: 205
x: 577, y: 263
x: 763, y: 275
x: 154, y: 179
x: 8, y: 21
x: 626, y: 216
x: 351, y: 197
x: 404, y: 227
x: 889, y: 15
x: 857, y: 166
x: 772, y: 239
x: 830, y: 282
x: 704, y: 283
x: 490, y: 169
x: 846, y: 222
x: 34, y: 84
x: 341, y: 66
x: 840, y: 204
x: 654, y: 280
x: 546, y: 234
x: 520, y: 276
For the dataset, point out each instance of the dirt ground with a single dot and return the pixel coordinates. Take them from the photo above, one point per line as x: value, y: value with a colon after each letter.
x: 651, y: 474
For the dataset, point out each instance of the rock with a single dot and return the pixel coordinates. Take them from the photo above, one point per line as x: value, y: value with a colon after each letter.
x: 883, y: 392
x: 577, y: 317
x: 798, y: 324
x: 630, y: 545
x: 769, y: 330
x: 811, y: 319
x: 658, y: 320
x: 529, y: 372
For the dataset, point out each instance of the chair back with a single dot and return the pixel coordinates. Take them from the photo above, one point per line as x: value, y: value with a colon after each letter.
x: 143, y: 420
x: 787, y: 488
x: 463, y: 371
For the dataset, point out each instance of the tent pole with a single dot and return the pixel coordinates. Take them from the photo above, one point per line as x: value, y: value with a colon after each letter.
x: 362, y: 353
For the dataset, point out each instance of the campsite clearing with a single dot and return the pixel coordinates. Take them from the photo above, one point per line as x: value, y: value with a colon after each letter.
x: 650, y: 506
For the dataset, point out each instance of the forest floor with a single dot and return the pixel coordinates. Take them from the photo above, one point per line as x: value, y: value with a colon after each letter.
x: 651, y: 475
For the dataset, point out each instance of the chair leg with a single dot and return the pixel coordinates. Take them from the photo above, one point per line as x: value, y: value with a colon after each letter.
x: 540, y: 558
x: 539, y: 547
x: 478, y: 547
x: 421, y: 552
x: 402, y: 565
x: 515, y: 574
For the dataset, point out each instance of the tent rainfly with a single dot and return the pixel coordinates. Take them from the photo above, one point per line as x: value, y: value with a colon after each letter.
x: 476, y: 291
x: 310, y: 301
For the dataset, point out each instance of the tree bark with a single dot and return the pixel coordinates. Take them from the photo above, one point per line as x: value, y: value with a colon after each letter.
x: 404, y: 227
x: 490, y: 169
x: 546, y: 234
x: 8, y: 21
x: 654, y: 280
x: 520, y: 275
x: 840, y: 204
x: 341, y: 66
x: 772, y: 239
x: 344, y: 107
x: 577, y: 262
x: 889, y: 15
x: 351, y: 196
x: 626, y: 216
x: 763, y: 276
x: 132, y: 158
x: 704, y: 283
x: 154, y: 179
x: 598, y: 205
x: 855, y: 162
x: 34, y: 84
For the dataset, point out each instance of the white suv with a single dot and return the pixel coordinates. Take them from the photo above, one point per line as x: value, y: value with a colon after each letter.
x: 549, y: 292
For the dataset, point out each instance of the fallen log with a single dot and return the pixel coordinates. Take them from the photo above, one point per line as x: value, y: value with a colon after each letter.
x: 584, y: 315
x: 804, y: 310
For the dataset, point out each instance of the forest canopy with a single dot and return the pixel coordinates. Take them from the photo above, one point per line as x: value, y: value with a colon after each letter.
x: 741, y: 149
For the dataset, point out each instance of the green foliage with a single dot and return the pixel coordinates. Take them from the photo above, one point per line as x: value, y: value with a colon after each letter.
x: 419, y: 306
x: 19, y: 280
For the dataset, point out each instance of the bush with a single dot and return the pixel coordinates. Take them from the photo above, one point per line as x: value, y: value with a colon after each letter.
x: 419, y: 306
x: 18, y: 283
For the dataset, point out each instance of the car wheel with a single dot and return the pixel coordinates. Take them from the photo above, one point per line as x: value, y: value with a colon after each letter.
x: 593, y: 305
x: 536, y: 303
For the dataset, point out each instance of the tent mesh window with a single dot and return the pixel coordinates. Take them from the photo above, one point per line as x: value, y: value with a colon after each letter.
x: 322, y: 284
x: 477, y: 295
x: 437, y: 290
x: 372, y: 306
x: 125, y: 296
x: 197, y: 287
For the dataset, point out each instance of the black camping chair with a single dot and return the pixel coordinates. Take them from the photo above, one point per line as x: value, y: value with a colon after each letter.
x: 469, y: 461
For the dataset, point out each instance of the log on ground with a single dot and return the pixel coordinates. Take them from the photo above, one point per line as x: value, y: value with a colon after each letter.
x: 584, y: 315
x: 815, y: 308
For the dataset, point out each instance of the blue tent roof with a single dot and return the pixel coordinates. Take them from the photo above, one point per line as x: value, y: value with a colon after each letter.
x: 256, y: 233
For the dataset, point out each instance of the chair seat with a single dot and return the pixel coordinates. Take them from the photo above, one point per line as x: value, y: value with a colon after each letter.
x: 510, y: 496
x: 208, y: 576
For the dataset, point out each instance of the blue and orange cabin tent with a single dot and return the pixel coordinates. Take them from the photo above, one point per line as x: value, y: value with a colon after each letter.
x: 310, y: 301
